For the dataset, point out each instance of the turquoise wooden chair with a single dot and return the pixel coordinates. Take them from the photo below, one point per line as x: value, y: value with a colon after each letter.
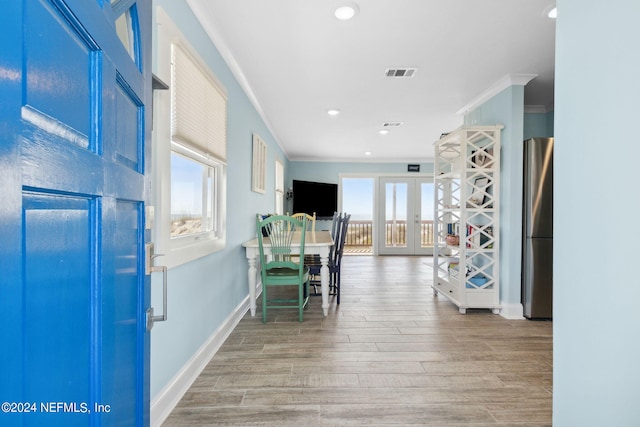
x: 278, y: 269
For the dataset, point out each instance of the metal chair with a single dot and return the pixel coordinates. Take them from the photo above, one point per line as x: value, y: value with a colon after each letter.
x: 278, y: 269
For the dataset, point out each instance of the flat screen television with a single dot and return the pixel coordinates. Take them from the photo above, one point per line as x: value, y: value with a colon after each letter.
x: 318, y: 197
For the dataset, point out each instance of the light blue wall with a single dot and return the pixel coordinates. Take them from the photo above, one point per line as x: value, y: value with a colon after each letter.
x: 596, y: 350
x: 538, y: 125
x: 203, y: 293
x: 596, y: 325
x: 330, y: 172
x: 551, y: 123
x: 507, y: 108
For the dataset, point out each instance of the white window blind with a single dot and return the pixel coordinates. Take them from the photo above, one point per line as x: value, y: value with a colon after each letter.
x: 198, y: 107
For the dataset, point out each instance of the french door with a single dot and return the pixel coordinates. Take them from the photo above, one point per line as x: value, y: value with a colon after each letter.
x: 75, y: 84
x: 405, y: 213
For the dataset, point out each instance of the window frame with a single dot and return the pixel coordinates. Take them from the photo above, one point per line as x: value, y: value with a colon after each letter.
x: 184, y: 249
x: 279, y: 187
x: 216, y: 168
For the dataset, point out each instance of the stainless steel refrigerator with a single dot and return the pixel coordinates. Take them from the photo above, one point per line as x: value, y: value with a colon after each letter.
x: 537, y: 238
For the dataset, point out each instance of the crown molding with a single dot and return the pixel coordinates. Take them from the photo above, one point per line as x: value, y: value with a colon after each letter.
x: 210, y: 27
x: 502, y: 84
x: 361, y: 160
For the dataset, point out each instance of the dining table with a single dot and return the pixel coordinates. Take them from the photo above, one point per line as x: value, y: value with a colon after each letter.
x: 316, y: 243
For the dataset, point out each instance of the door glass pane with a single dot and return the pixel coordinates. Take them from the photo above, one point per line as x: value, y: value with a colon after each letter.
x: 125, y: 28
x: 357, y: 200
x: 426, y: 215
x: 396, y: 214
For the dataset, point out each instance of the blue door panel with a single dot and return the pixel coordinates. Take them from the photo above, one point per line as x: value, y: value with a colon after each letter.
x: 49, y: 161
x: 11, y: 93
x: 73, y: 293
x: 121, y: 329
x: 59, y: 79
x: 129, y: 133
x: 123, y: 135
x: 59, y: 284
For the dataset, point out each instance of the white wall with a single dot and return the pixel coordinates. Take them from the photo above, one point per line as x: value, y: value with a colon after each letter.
x: 596, y: 284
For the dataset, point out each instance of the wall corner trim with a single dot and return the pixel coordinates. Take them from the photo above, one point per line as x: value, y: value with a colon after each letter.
x: 166, y: 400
x: 505, y: 82
x: 512, y: 311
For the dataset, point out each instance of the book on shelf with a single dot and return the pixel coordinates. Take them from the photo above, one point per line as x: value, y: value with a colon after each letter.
x: 453, y: 229
x: 479, y: 237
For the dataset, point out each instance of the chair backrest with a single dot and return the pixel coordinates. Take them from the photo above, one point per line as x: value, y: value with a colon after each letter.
x: 311, y: 219
x: 335, y: 231
x: 342, y: 238
x: 279, y: 230
x: 335, y: 222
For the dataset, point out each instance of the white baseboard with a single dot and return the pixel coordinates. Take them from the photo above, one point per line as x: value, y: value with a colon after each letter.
x: 167, y: 399
x: 512, y: 311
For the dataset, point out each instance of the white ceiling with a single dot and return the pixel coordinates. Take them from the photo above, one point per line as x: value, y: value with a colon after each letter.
x: 296, y: 61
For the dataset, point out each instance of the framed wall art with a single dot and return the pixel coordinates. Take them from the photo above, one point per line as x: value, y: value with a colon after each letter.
x: 259, y: 165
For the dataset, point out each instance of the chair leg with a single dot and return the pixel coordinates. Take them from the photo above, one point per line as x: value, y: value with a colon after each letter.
x: 301, y: 296
x: 307, y: 287
x: 333, y: 278
x: 264, y: 303
x: 338, y: 287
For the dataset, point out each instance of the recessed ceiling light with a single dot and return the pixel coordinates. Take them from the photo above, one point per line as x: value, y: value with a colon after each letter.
x: 553, y: 13
x: 383, y: 131
x: 368, y: 153
x: 333, y: 112
x: 346, y: 12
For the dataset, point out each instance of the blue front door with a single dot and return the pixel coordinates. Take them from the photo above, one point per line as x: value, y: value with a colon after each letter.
x: 75, y: 87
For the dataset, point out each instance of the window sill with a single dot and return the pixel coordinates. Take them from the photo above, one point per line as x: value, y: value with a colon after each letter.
x: 184, y: 254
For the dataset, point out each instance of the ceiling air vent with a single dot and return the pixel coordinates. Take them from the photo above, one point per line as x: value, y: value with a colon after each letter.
x: 391, y: 124
x: 400, y: 72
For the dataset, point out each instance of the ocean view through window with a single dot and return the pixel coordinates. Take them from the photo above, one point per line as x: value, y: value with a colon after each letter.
x: 192, y: 196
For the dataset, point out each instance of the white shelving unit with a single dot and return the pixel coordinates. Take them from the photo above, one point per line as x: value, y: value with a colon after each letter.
x: 467, y: 217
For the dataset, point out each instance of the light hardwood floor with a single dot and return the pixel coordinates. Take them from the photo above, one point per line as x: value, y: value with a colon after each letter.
x: 391, y: 354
